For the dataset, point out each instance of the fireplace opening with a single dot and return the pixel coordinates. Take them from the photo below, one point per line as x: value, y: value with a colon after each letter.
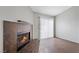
x: 22, y: 40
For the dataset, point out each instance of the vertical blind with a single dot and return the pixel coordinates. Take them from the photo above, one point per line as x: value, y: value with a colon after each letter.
x: 46, y: 27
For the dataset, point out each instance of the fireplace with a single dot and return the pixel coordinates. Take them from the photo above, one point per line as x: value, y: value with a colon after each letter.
x: 22, y: 40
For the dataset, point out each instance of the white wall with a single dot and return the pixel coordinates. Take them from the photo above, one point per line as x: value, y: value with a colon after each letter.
x: 67, y: 25
x: 14, y: 14
x: 46, y: 27
x: 25, y: 14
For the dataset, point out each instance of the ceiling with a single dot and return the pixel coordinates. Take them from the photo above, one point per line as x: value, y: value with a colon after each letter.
x: 50, y: 10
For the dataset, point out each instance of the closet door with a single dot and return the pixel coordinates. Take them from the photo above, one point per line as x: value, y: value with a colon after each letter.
x: 9, y: 36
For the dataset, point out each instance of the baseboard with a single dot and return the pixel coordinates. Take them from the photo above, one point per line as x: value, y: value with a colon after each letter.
x: 35, y: 39
x: 48, y: 38
x: 67, y: 40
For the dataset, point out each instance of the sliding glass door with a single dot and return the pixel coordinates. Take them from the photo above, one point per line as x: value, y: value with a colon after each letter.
x: 46, y: 27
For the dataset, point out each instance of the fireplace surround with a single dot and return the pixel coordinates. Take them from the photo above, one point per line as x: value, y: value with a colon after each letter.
x: 22, y: 40
x: 16, y: 35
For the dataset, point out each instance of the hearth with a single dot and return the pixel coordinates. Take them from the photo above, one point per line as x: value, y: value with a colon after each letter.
x: 22, y: 40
